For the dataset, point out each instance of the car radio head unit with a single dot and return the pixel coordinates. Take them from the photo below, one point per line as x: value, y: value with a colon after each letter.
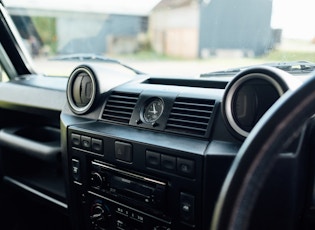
x: 156, y: 188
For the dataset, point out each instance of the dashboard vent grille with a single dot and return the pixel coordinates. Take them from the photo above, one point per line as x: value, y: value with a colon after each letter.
x: 119, y: 107
x: 190, y: 116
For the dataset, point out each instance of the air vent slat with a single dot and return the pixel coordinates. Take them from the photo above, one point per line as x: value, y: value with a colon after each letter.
x: 120, y: 113
x: 184, y: 128
x: 116, y: 118
x: 121, y: 102
x: 196, y: 123
x: 131, y: 97
x: 190, y: 116
x: 192, y: 112
x: 182, y: 104
x: 119, y: 107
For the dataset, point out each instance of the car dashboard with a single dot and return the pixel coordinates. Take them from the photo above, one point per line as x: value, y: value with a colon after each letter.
x: 152, y: 153
x: 103, y: 150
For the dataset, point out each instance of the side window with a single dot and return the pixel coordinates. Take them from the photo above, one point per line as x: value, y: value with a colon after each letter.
x: 3, y: 75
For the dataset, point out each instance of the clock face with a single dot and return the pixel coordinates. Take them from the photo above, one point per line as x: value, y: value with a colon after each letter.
x: 153, y: 110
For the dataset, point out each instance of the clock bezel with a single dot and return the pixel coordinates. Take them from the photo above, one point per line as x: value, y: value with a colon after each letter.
x: 145, y: 111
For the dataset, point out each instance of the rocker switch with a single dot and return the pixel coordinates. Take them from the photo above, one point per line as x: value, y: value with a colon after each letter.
x: 76, y: 170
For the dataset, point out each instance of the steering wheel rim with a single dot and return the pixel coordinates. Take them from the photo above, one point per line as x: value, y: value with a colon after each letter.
x: 257, y: 154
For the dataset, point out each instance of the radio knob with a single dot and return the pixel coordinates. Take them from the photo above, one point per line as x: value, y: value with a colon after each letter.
x: 96, y: 180
x: 100, y: 217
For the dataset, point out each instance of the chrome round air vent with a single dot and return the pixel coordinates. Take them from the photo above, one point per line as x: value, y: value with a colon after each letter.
x: 248, y: 96
x: 81, y: 90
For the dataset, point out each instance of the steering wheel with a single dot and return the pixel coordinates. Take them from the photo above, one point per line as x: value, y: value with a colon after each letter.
x: 256, y: 156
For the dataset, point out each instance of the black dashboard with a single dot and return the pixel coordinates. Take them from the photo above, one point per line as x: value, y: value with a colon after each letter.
x: 152, y: 153
x: 101, y: 150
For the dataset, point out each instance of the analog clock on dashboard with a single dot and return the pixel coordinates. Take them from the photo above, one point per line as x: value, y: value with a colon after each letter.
x: 153, y: 110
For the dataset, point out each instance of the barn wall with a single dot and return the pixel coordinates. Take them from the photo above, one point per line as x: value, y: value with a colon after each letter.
x: 175, y: 32
x: 239, y: 25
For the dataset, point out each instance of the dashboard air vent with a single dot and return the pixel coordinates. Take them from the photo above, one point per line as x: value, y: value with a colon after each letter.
x: 119, y: 107
x: 81, y: 90
x: 190, y: 116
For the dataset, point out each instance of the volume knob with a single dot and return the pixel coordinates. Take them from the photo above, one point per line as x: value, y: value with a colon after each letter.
x: 96, y: 180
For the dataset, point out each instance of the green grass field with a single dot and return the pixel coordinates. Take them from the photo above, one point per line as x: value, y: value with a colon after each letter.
x: 275, y: 55
x: 289, y: 56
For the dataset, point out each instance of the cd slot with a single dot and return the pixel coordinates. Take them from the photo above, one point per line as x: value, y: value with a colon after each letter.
x: 132, y: 189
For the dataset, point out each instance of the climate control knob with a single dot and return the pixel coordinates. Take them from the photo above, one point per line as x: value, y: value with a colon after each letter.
x: 100, y: 217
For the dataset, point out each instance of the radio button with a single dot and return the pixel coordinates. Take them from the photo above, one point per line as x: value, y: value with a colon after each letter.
x: 153, y: 159
x: 97, y: 145
x: 186, y: 167
x: 86, y: 142
x: 168, y: 163
x: 137, y: 217
x: 123, y: 151
x: 75, y: 140
x: 122, y: 211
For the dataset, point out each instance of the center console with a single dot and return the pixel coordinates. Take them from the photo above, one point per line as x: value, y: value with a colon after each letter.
x: 141, y: 154
x: 122, y: 183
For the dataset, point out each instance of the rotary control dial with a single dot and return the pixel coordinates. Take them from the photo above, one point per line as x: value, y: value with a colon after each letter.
x: 100, y: 216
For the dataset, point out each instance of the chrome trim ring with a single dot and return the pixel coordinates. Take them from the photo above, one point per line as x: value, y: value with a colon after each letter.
x: 231, y: 93
x: 76, y: 109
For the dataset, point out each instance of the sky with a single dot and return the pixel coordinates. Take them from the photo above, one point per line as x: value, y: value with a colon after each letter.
x: 295, y: 17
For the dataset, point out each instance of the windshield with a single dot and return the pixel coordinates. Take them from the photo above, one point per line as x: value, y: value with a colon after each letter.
x: 164, y: 37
